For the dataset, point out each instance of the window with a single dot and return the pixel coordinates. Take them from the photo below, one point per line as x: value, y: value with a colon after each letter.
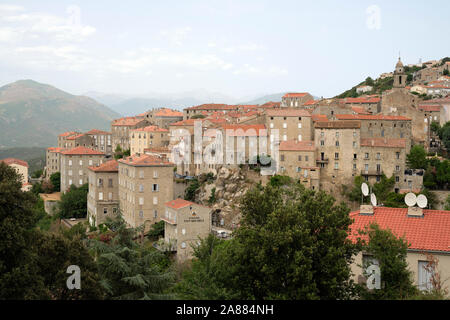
x: 397, y: 154
x: 100, y: 182
x: 110, y: 183
x: 337, y: 143
x: 90, y: 162
x: 425, y: 274
x: 70, y: 162
x: 322, y: 142
x: 70, y: 182
x: 299, y: 137
x: 378, y: 156
x: 271, y: 125
x: 299, y: 158
x: 285, y: 125
x: 336, y: 155
x: 397, y: 179
x: 282, y: 157
x: 100, y: 196
x: 155, y: 187
x: 322, y: 134
x: 354, y: 133
x: 141, y: 201
x: 284, y: 137
x: 105, y: 210
x: 155, y: 214
x: 141, y: 188
x: 366, y: 167
x: 81, y: 182
x: 183, y: 231
x: 355, y: 156
x: 141, y: 214
x: 299, y: 125
x: 155, y: 200
x: 110, y: 196
x: 378, y: 167
x: 155, y: 174
x: 336, y: 165
x: 354, y: 166
x: 397, y: 168
x: 337, y: 134
x: 366, y: 155
x: 183, y: 245
x: 298, y: 169
x: 70, y: 172
x: 306, y: 158
x: 354, y: 144
x: 80, y: 172
x: 141, y: 174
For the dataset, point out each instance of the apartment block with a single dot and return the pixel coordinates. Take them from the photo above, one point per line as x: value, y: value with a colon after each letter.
x: 102, y: 140
x: 52, y: 160
x: 292, y: 124
x: 147, y: 137
x: 295, y: 99
x: 120, y: 130
x: 145, y: 184
x: 74, y: 165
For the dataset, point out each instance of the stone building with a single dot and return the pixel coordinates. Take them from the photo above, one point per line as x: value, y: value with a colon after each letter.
x: 298, y: 160
x: 292, y: 124
x: 120, y: 130
x: 146, y: 137
x: 52, y: 161
x: 295, y: 99
x: 206, y: 109
x: 103, y: 196
x: 21, y: 168
x: 62, y: 139
x: 185, y: 223
x: 102, y: 140
x: 337, y: 152
x: 163, y: 117
x: 74, y: 165
x: 145, y: 184
x: 371, y: 104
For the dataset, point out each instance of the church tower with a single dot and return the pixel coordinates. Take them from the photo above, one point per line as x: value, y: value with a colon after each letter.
x: 399, y: 75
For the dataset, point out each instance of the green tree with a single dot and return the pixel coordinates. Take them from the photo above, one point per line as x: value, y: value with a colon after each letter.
x: 73, y: 203
x: 198, y: 116
x: 390, y: 253
x: 118, y: 153
x: 417, y: 158
x: 280, y: 180
x: 37, y: 174
x: 191, y: 190
x: 384, y: 187
x: 156, y: 230
x: 129, y: 270
x: 55, y: 179
x: 355, y: 194
x: 435, y: 127
x: 444, y: 135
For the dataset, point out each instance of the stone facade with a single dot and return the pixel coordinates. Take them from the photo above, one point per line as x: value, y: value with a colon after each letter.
x: 185, y: 224
x: 120, y: 129
x: 103, y: 196
x: 74, y: 165
x: 148, y: 137
x: 52, y: 161
x: 295, y: 99
x: 102, y: 140
x: 145, y: 184
x: 292, y: 124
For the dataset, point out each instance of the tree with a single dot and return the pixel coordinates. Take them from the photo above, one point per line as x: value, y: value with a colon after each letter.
x: 292, y: 244
x: 157, y: 230
x: 369, y: 81
x: 129, y: 270
x: 191, y: 190
x: 435, y: 127
x: 444, y: 135
x: 446, y: 72
x: 47, y: 186
x: 37, y: 174
x: 383, y: 188
x: 73, y: 203
x: 390, y: 254
x: 447, y: 203
x: 118, y: 153
x: 198, y: 116
x: 417, y: 158
x: 55, y: 179
x: 355, y: 194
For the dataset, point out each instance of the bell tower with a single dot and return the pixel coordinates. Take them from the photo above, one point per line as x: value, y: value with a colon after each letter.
x: 399, y: 75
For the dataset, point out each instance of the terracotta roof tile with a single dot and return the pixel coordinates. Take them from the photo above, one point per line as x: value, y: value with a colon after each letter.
x: 430, y: 108
x: 319, y: 117
x: 151, y: 129
x: 10, y: 161
x: 145, y: 160
x: 55, y: 149
x: 109, y: 166
x: 96, y: 131
x: 68, y: 133
x: 82, y: 151
x: 428, y: 233
x: 337, y: 124
x: 181, y: 203
x: 362, y: 100
x: 127, y: 121
x: 165, y: 112
x: 295, y: 94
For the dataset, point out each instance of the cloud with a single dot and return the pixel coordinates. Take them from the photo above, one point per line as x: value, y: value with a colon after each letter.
x: 247, y: 69
x: 176, y: 36
x: 10, y: 8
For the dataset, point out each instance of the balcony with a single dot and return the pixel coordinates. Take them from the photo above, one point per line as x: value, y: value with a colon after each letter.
x: 371, y: 173
x: 324, y: 160
x: 170, y: 221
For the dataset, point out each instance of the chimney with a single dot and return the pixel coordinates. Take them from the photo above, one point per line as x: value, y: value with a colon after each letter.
x: 415, y: 212
x: 366, y: 210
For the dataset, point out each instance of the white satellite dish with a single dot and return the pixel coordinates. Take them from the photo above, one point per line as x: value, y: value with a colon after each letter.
x: 410, y: 199
x: 365, y: 189
x: 422, y: 201
x: 373, y: 199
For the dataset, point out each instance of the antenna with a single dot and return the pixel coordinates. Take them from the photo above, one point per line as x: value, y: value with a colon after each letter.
x: 373, y: 199
x: 422, y: 201
x: 365, y: 189
x: 410, y: 199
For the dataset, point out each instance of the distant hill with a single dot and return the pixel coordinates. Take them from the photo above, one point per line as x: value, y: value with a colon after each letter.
x: 35, y: 156
x: 276, y: 97
x: 32, y: 114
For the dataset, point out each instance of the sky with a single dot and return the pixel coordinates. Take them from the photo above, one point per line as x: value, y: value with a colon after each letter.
x: 238, y: 48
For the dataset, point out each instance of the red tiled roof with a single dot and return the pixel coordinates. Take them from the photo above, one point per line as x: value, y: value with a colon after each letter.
x: 319, y: 117
x: 144, y: 160
x: 127, y: 121
x: 75, y: 136
x: 310, y: 102
x: 430, y: 107
x: 151, y: 129
x: 188, y: 122
x: 109, y: 166
x: 55, y: 149
x: 245, y: 130
x: 383, y: 142
x: 370, y: 117
x: 271, y: 104
x: 157, y: 149
x: 168, y: 113
x: 10, y: 161
x: 428, y: 233
x: 178, y: 203
x: 359, y: 110
x: 96, y: 131
x: 68, y: 133
x: 288, y: 112
x: 82, y: 151
x: 212, y: 106
x: 293, y: 145
x: 295, y: 94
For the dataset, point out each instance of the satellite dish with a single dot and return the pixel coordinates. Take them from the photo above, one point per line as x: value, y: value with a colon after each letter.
x: 410, y: 199
x: 422, y: 201
x: 365, y: 189
x: 373, y: 199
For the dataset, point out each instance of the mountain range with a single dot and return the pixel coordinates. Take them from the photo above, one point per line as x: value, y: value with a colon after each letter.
x: 32, y: 114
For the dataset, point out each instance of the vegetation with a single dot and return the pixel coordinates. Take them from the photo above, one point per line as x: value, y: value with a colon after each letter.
x: 35, y: 156
x: 198, y: 116
x: 378, y: 86
x: 437, y: 174
x: 73, y: 203
x: 55, y: 179
x: 37, y: 174
x: 417, y: 158
x: 156, y: 231
x: 129, y: 270
x: 390, y: 254
x: 212, y: 198
x: 444, y: 135
x: 191, y: 190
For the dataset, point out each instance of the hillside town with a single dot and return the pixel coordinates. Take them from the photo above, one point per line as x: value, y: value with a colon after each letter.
x: 188, y: 170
